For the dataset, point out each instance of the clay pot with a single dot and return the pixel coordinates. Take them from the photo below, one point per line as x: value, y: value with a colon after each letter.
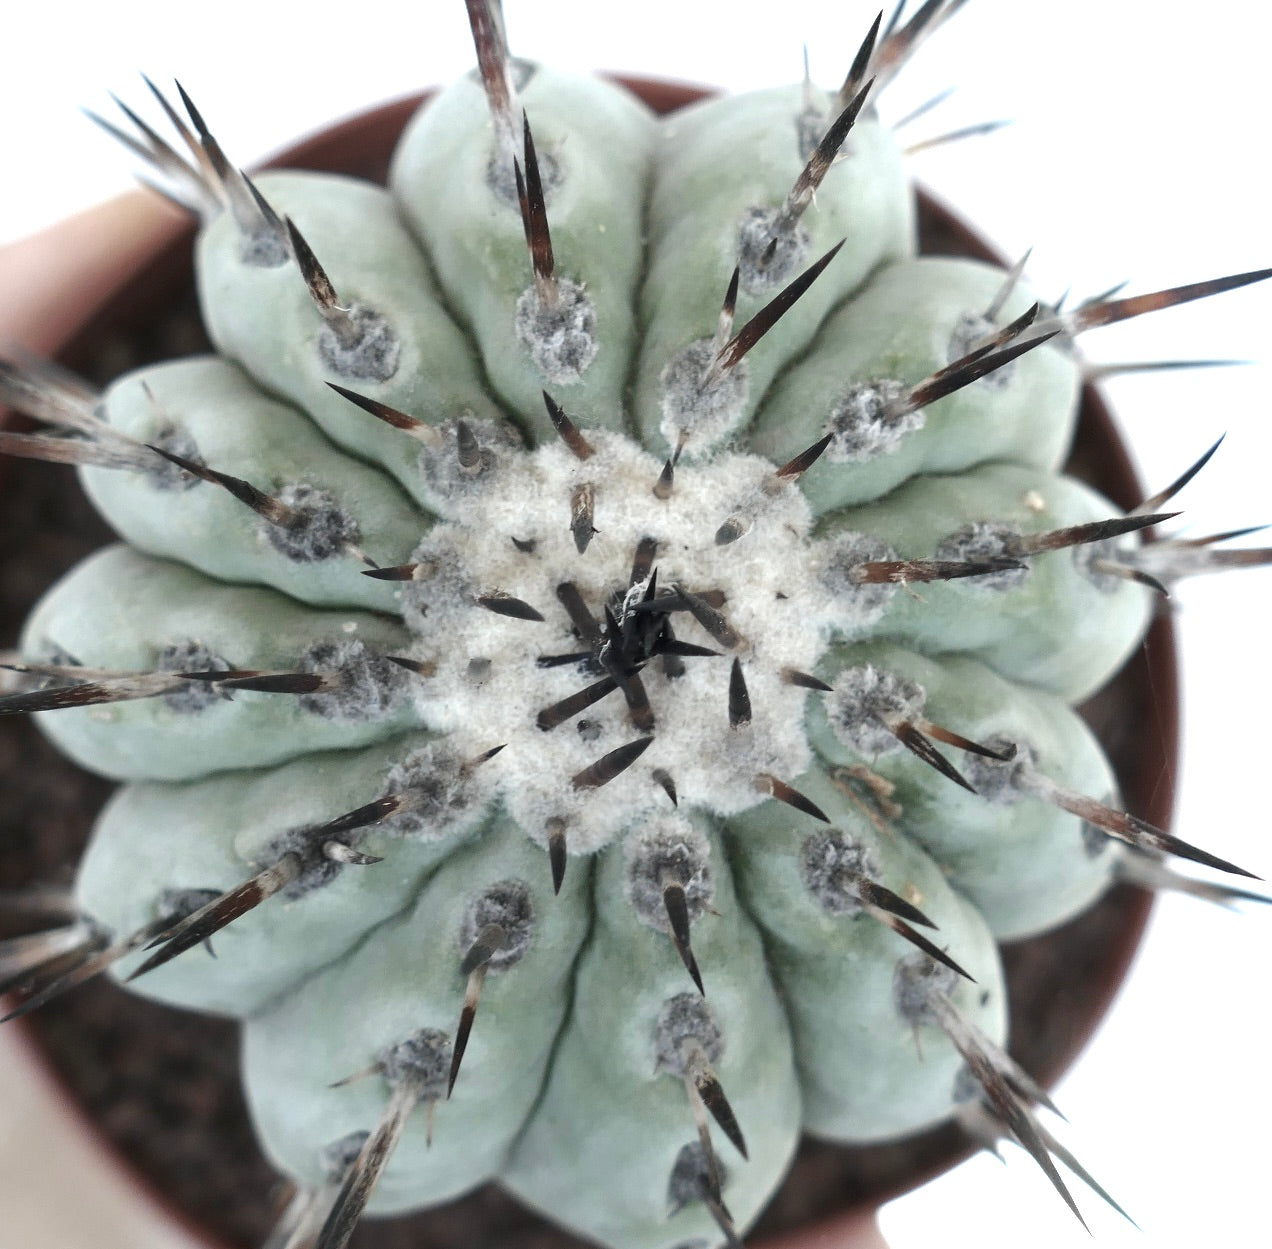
x: 112, y: 288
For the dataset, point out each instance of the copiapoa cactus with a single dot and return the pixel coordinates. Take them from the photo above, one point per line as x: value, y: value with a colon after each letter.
x: 645, y: 662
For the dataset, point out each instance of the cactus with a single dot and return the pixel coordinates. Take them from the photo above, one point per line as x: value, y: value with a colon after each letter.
x: 638, y: 651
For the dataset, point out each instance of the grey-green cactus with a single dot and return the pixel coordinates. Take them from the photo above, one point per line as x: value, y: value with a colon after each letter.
x: 610, y: 615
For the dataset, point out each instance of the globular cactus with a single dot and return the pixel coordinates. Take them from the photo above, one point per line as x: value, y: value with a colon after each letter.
x: 594, y: 654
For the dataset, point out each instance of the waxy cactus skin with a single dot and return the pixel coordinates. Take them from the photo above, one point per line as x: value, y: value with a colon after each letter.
x: 505, y: 546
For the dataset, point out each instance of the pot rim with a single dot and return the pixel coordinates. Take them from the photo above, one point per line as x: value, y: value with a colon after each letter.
x: 139, y: 253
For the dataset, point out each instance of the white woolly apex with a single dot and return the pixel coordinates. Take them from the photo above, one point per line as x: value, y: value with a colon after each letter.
x: 512, y: 542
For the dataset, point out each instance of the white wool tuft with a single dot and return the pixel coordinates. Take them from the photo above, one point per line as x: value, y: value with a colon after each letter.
x: 488, y: 688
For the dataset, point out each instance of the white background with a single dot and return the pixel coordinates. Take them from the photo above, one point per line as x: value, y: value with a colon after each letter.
x: 1138, y: 153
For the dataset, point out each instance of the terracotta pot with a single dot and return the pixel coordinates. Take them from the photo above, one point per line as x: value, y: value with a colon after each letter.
x: 101, y: 288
